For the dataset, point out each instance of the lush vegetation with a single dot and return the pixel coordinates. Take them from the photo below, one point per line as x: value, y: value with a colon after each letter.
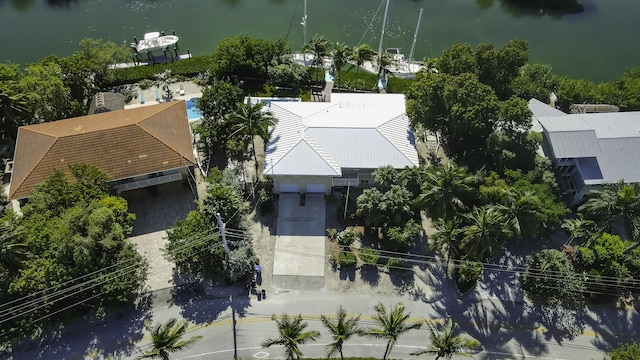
x: 69, y: 249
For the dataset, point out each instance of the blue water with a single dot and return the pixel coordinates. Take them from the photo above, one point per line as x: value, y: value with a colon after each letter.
x: 193, y: 113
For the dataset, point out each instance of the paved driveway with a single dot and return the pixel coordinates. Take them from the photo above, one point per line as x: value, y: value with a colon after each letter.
x: 299, y: 257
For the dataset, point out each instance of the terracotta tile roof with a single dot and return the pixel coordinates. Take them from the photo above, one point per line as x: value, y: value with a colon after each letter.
x: 122, y: 144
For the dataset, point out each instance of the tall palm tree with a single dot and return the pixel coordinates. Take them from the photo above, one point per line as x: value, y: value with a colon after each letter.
x: 445, y: 344
x: 12, y: 251
x: 319, y: 46
x: 251, y: 121
x: 341, y: 54
x: 341, y: 330
x: 361, y: 54
x: 445, y: 191
x: 291, y: 335
x: 615, y: 202
x: 167, y: 338
x: 447, y: 237
x: 486, y: 232
x: 521, y: 207
x: 392, y: 323
x: 578, y: 228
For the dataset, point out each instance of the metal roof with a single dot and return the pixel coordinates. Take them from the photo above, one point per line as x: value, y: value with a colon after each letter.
x: 613, y: 139
x: 352, y: 131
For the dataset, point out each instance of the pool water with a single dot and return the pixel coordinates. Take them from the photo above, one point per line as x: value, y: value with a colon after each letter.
x: 193, y: 113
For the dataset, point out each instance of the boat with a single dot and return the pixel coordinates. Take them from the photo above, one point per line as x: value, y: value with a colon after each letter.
x: 154, y: 41
x: 401, y: 66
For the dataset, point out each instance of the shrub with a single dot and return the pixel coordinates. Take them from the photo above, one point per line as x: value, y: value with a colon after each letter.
x: 401, y: 238
x: 265, y: 201
x: 369, y: 256
x: 394, y: 262
x: 145, y: 84
x: 346, y: 237
x: 331, y: 233
x: 346, y: 259
x: 467, y: 275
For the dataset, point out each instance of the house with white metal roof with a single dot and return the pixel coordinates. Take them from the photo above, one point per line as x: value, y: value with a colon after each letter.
x: 320, y: 145
x: 589, y: 150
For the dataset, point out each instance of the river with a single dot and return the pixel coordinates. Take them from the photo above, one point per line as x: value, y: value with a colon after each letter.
x: 596, y: 44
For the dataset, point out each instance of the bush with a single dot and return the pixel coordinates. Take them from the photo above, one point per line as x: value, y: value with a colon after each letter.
x: 145, y: 84
x: 346, y: 237
x: 187, y: 67
x: 401, y: 238
x: 345, y: 258
x: 369, y: 256
x: 265, y: 201
x: 331, y: 233
x: 394, y: 262
x: 467, y: 275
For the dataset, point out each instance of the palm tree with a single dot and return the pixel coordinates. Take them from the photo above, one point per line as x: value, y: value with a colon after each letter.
x: 578, y: 228
x: 446, y: 189
x: 167, y: 338
x: 392, y: 324
x: 521, y: 208
x: 319, y: 46
x: 361, y: 54
x: 292, y: 334
x: 342, y: 329
x: 251, y: 121
x: 12, y: 252
x: 447, y: 237
x: 341, y: 54
x: 487, y: 230
x: 445, y: 344
x: 615, y: 202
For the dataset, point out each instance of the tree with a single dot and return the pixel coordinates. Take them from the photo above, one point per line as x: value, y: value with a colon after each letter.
x: 13, y: 114
x: 624, y: 91
x: 578, y: 228
x: 341, y: 54
x: 615, y: 202
x: 292, y: 334
x: 447, y: 238
x: 551, y: 278
x: 319, y: 46
x: 384, y: 177
x: 630, y: 351
x: 445, y: 191
x: 45, y: 91
x: 535, y: 81
x: 250, y: 120
x: 167, y: 338
x: 445, y: 344
x: 361, y: 54
x: 341, y: 329
x: 12, y: 250
x: 485, y: 232
x: 392, y: 324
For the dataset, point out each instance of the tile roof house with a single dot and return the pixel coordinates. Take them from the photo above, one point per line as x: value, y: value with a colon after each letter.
x: 137, y: 147
x: 316, y: 146
x: 589, y: 150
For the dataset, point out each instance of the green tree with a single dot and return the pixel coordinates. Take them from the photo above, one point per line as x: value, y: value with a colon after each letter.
x: 342, y: 329
x: 13, y: 251
x: 13, y: 114
x: 576, y: 91
x: 367, y: 207
x: 445, y: 343
x: 245, y: 57
x: 446, y: 190
x: 603, y: 257
x: 630, y: 351
x: 535, y: 81
x: 551, y: 278
x: 361, y: 54
x: 385, y: 176
x: 225, y: 200
x: 485, y: 232
x: 291, y: 334
x: 218, y: 101
x: 392, y: 324
x: 578, y: 228
x: 250, y: 121
x: 45, y: 91
x: 167, y: 338
x: 341, y: 53
x: 615, y: 202
x: 448, y: 237
x: 320, y: 47
x: 624, y: 91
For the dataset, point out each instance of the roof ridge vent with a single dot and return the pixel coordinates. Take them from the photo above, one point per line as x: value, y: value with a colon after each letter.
x: 100, y: 100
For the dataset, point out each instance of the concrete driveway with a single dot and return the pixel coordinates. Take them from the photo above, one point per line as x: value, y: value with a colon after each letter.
x: 299, y: 257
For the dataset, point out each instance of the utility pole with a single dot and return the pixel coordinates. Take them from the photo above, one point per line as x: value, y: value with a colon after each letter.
x: 222, y: 227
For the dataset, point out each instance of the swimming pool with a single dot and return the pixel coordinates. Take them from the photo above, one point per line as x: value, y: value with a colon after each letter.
x: 193, y: 113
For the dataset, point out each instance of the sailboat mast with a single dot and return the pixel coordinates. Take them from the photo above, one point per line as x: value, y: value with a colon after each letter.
x: 384, y: 24
x: 304, y: 24
x: 415, y: 35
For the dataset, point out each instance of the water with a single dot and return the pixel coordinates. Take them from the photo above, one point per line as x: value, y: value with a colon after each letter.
x: 597, y: 44
x: 193, y: 113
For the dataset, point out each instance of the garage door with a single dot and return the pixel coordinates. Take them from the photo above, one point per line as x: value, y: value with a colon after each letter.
x: 316, y: 188
x: 289, y: 188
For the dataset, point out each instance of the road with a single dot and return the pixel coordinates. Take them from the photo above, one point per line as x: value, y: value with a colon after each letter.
x: 506, y: 332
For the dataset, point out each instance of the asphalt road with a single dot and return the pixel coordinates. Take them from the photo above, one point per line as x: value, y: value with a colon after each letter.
x: 504, y: 331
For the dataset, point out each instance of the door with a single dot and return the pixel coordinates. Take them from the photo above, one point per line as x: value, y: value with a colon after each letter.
x: 289, y: 188
x: 316, y: 188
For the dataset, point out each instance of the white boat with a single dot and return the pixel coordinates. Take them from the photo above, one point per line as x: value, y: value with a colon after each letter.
x: 154, y: 41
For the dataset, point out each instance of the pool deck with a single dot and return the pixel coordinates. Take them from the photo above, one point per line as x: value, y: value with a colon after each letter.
x: 191, y: 90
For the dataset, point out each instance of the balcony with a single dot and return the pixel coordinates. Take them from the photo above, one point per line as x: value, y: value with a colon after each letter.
x: 345, y: 182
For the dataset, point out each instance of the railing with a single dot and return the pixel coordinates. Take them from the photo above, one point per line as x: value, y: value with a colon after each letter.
x: 345, y: 182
